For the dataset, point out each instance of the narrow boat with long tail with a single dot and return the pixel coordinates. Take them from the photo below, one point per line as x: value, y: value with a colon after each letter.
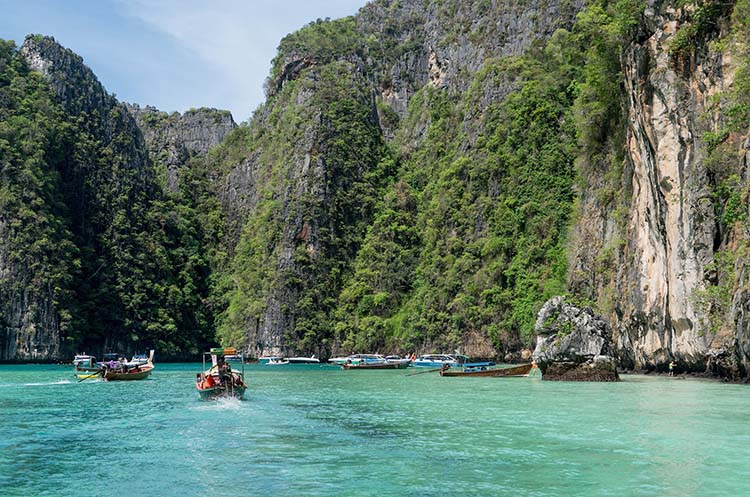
x: 521, y: 370
x: 220, y: 380
x: 125, y: 371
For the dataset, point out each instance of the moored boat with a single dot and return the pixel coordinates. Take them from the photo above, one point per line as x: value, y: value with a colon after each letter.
x: 84, y: 366
x: 521, y: 370
x: 338, y: 361
x: 303, y: 360
x: 269, y: 359
x: 220, y: 380
x: 438, y: 360
x: 136, y: 373
x: 399, y: 360
x: 138, y: 360
x: 376, y: 365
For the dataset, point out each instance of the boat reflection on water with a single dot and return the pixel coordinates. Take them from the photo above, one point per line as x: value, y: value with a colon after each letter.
x: 220, y: 380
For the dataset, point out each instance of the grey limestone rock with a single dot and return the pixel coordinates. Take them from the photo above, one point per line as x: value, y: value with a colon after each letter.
x: 172, y: 139
x: 573, y: 343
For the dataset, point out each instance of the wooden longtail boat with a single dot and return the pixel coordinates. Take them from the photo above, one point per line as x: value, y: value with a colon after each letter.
x: 139, y: 373
x: 522, y: 370
x: 219, y: 380
x: 376, y: 365
x: 129, y: 373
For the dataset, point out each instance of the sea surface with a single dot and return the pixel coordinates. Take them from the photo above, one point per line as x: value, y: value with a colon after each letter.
x: 312, y: 431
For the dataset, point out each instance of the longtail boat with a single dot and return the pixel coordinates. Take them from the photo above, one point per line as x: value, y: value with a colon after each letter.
x: 220, y: 380
x: 124, y: 371
x: 522, y: 370
x: 376, y: 365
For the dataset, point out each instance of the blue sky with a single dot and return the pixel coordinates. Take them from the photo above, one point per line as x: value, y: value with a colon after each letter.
x: 173, y: 54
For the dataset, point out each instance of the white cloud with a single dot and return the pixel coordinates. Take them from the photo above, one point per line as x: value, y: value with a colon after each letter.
x: 234, y: 39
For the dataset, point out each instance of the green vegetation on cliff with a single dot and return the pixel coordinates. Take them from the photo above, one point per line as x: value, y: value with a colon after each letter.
x: 414, y: 181
x: 468, y: 238
x: 91, y: 246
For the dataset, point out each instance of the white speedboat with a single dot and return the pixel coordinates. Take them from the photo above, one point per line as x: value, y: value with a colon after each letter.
x: 139, y: 360
x: 438, y: 360
x: 365, y: 359
x: 396, y: 359
x: 270, y: 358
x: 303, y: 360
x: 338, y: 361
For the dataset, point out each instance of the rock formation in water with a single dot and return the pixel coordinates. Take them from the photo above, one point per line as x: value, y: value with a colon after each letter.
x: 573, y: 343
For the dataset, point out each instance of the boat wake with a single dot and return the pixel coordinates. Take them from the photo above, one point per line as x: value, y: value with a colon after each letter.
x: 223, y: 404
x: 40, y: 384
x: 44, y: 384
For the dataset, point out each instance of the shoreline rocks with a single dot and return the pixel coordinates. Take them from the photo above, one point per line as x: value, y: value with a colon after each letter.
x: 573, y: 344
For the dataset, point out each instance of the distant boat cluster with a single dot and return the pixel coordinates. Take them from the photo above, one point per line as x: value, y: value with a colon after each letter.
x: 218, y: 379
x: 378, y: 361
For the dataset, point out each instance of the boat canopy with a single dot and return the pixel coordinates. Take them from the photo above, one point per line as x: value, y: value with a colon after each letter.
x: 223, y: 351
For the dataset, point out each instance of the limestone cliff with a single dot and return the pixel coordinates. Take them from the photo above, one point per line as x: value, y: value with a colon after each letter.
x: 93, y: 255
x: 291, y: 189
x: 172, y: 139
x: 423, y: 175
x: 657, y: 244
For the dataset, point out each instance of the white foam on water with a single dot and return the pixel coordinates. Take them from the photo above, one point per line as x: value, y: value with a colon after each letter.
x: 61, y: 382
x: 222, y: 404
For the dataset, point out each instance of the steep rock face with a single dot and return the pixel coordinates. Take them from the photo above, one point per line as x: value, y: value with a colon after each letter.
x: 36, y: 314
x: 93, y: 255
x: 305, y: 155
x: 29, y: 319
x: 671, y: 227
x: 411, y: 44
x: 173, y: 138
x: 659, y: 253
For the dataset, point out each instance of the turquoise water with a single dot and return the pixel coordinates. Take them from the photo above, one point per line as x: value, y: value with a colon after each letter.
x: 314, y: 432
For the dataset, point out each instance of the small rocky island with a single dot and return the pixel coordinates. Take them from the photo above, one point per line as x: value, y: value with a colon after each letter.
x: 573, y: 344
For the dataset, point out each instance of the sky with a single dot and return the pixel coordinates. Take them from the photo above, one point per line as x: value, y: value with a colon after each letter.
x: 173, y: 54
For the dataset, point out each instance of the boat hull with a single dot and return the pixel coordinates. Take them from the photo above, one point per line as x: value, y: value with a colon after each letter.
x: 388, y: 365
x: 270, y: 359
x: 303, y: 360
x: 221, y: 392
x: 430, y: 364
x: 86, y: 375
x: 131, y: 376
x: 522, y: 370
